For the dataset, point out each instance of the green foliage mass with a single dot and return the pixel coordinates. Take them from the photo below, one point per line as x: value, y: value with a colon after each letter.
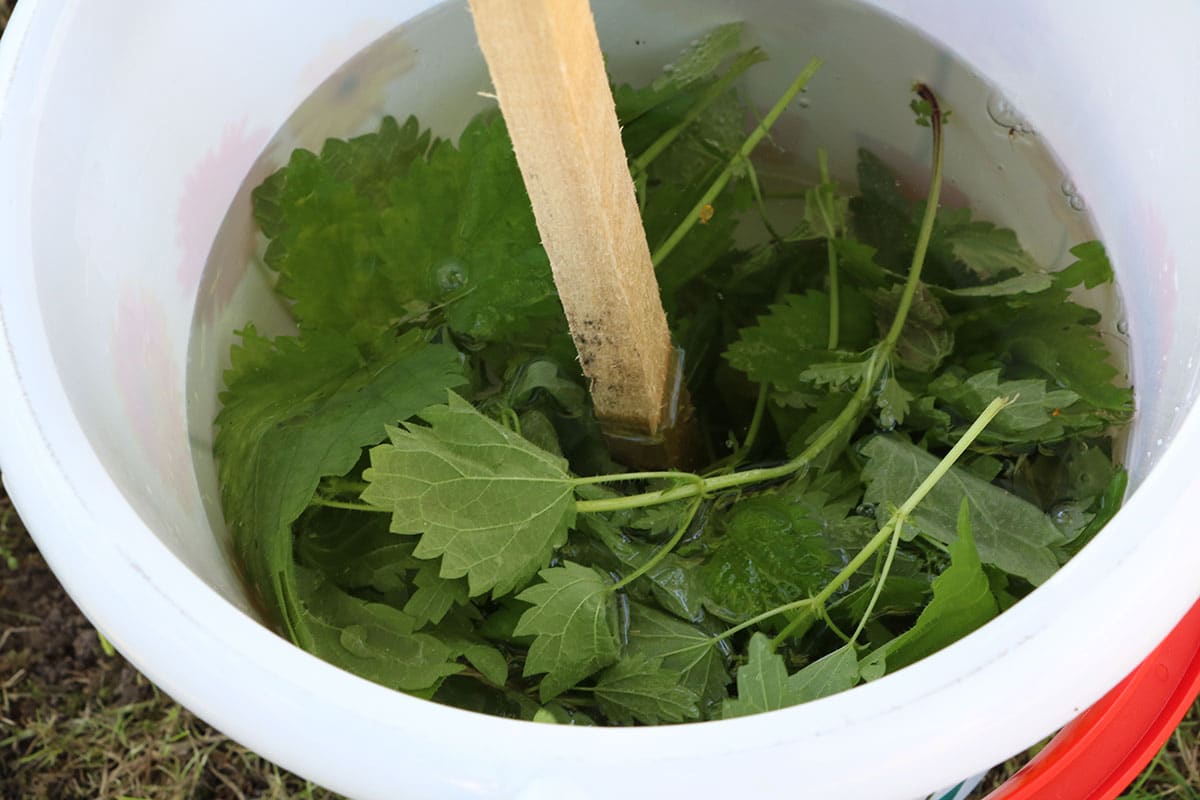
x: 909, y: 423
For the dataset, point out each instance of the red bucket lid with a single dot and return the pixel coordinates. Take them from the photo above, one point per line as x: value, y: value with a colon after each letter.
x: 1099, y: 754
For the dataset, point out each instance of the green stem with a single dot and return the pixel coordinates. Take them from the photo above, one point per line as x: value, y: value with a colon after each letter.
x: 909, y: 505
x: 880, y: 355
x: 666, y: 475
x: 880, y: 580
x: 795, y: 605
x: 831, y: 255
x: 746, y: 60
x: 926, y: 231
x: 663, y: 551
x: 747, y: 147
x: 760, y: 202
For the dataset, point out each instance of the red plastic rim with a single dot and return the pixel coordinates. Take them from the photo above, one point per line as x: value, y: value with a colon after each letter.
x: 1098, y: 755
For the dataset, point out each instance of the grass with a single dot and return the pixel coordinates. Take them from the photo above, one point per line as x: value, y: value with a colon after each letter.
x: 77, y: 721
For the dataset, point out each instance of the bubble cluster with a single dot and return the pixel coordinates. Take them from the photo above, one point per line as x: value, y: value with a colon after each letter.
x: 1074, y: 200
x: 1004, y: 114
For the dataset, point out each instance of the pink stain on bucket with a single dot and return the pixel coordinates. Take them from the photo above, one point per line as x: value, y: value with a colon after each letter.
x: 149, y: 386
x: 210, y: 186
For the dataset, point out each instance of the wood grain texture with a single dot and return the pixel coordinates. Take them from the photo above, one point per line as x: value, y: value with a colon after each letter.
x: 545, y: 62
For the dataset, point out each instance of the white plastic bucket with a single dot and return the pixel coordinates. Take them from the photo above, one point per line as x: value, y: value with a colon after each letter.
x: 125, y: 135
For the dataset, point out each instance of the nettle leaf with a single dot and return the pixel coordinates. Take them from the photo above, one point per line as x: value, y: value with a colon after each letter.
x: 574, y: 622
x: 1091, y: 267
x: 372, y: 640
x: 491, y: 505
x: 1025, y: 283
x: 1076, y: 358
x: 962, y: 602
x: 925, y: 340
x: 434, y: 595
x: 488, y: 660
x: 696, y: 64
x: 1035, y: 413
x: 460, y: 223
x: 893, y: 402
x: 883, y: 217
x: 835, y: 374
x: 764, y: 685
x: 771, y: 552
x: 982, y: 247
x: 829, y: 675
x: 543, y: 376
x: 793, y: 336
x: 640, y: 689
x: 762, y: 682
x: 683, y: 647
x: 1050, y: 333
x: 1011, y: 533
x: 674, y: 581
x: 296, y: 410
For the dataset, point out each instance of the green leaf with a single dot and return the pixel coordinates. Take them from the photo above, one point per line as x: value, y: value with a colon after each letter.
x: 836, y: 374
x: 296, y: 410
x: 1053, y: 335
x: 893, y: 402
x: 1011, y: 533
x: 1035, y: 413
x: 1025, y: 283
x: 793, y: 336
x: 1091, y: 267
x: 574, y: 622
x: 883, y: 217
x: 829, y: 675
x: 1074, y: 357
x: 372, y: 640
x: 490, y: 662
x: 490, y: 504
x: 696, y: 64
x: 461, y: 224
x: 962, y: 602
x: 675, y: 582
x: 384, y: 226
x: 434, y: 596
x: 984, y: 249
x: 925, y: 340
x: 683, y: 647
x: 764, y: 685
x: 762, y: 682
x: 771, y: 552
x: 543, y: 376
x: 639, y: 689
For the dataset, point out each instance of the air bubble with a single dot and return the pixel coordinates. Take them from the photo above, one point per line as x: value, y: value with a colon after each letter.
x: 1123, y: 327
x: 451, y: 276
x: 803, y: 102
x: 1005, y: 115
x: 483, y: 323
x: 1076, y: 202
x: 1063, y: 515
x: 865, y: 510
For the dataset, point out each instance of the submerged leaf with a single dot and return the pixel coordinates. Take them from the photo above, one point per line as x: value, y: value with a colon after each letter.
x: 639, y: 689
x: 490, y: 504
x: 683, y: 647
x: 297, y: 410
x: 574, y: 622
x: 962, y: 601
x: 1011, y: 533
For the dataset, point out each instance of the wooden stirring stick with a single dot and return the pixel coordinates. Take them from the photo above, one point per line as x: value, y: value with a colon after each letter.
x: 545, y: 62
